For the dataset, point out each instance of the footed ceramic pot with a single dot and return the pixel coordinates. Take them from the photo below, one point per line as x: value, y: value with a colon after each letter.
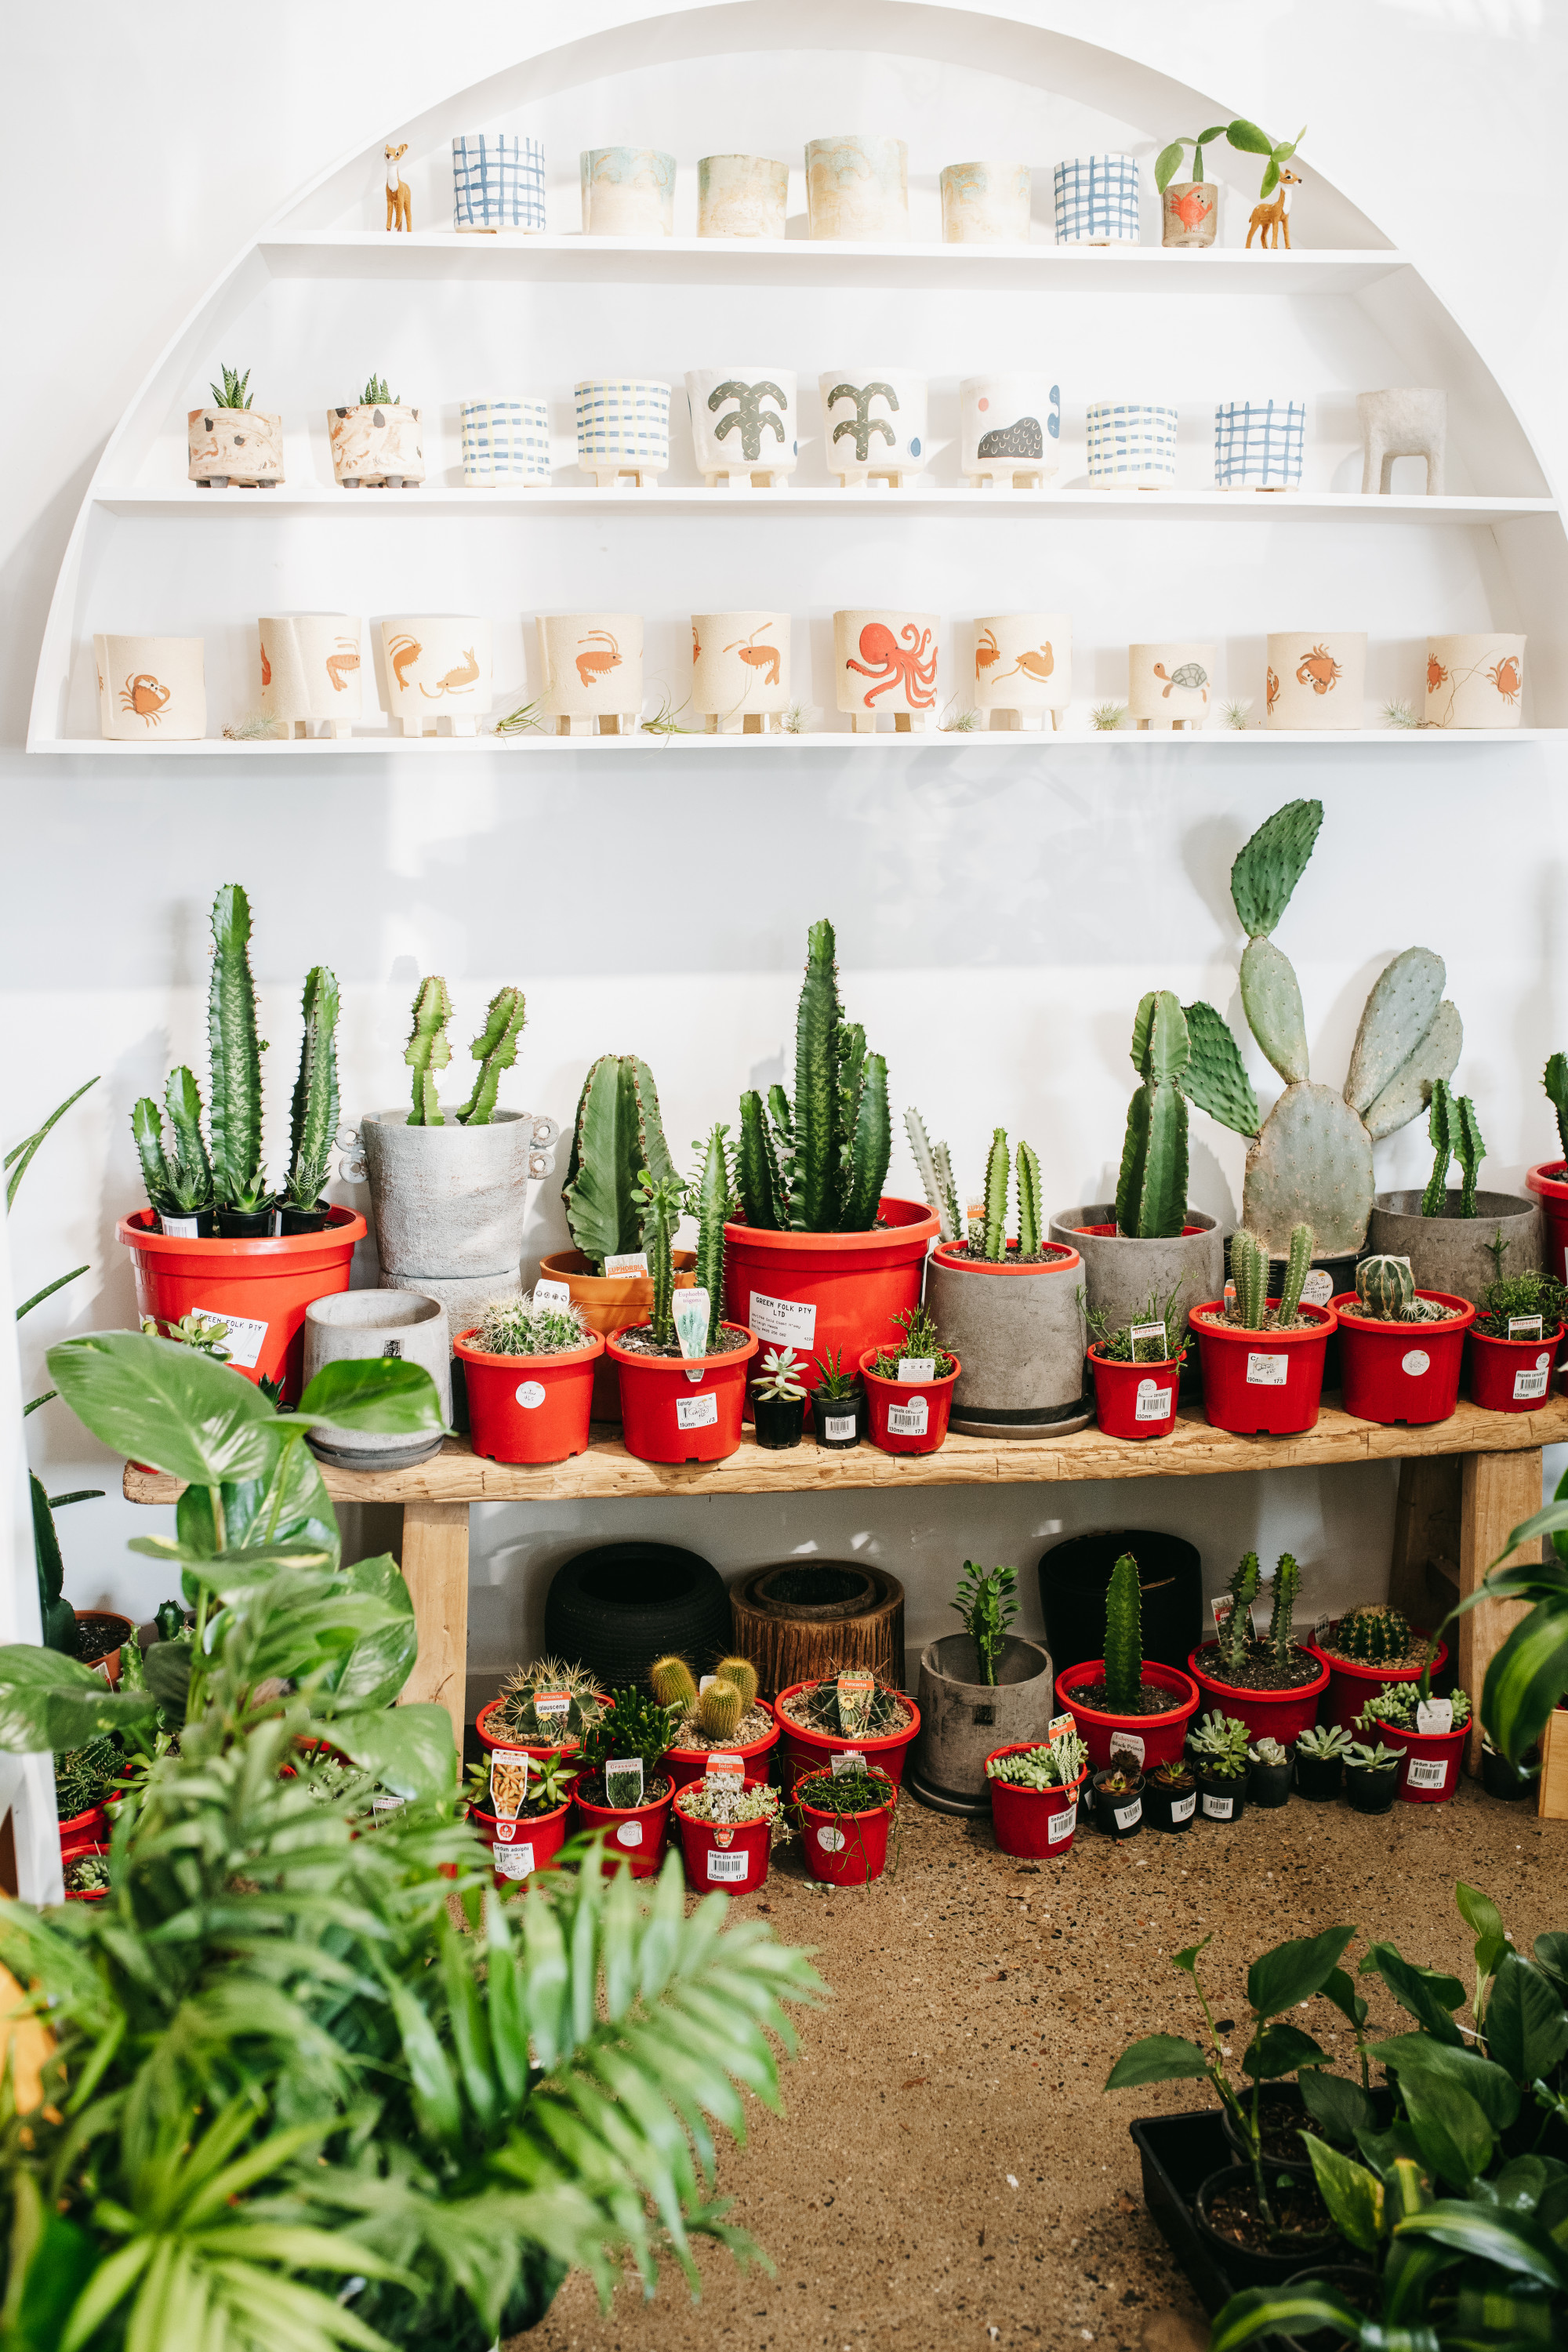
x: 857, y: 188
x: 1132, y: 444
x: 435, y: 672
x: 740, y: 671
x: 150, y: 689
x: 1189, y: 212
x: 239, y: 448
x: 1316, y: 679
x: 986, y: 204
x: 874, y: 423
x: 1412, y: 423
x: 591, y: 666
x: 1170, y: 684
x: 311, y: 671
x: 377, y: 444
x: 886, y: 661
x: 623, y: 427
x: 497, y: 184
x: 1259, y: 444
x: 1097, y: 200
x: 628, y: 191
x: 1009, y: 431
x: 745, y: 426
x: 1475, y: 681
x: 1023, y: 667
x: 742, y: 196
x: 507, y: 441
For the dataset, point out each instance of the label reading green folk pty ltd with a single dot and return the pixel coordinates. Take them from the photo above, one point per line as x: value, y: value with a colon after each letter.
x: 783, y: 1322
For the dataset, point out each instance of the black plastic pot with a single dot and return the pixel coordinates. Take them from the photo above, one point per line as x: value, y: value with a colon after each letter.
x: 201, y: 1218
x: 1165, y: 1808
x: 244, y: 1224
x: 1074, y: 1573
x: 1277, y: 2094
x: 780, y: 1422
x: 840, y: 1425
x: 1247, y: 2268
x: 303, y: 1221
x: 1269, y: 1786
x: 1318, y: 1778
x: 1371, y: 1789
x: 1222, y: 1797
x: 1508, y: 1781
x: 1119, y: 1816
x: 1177, y: 2154
x: 1355, y: 2284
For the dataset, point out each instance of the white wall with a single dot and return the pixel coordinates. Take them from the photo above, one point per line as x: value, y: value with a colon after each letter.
x: 997, y: 916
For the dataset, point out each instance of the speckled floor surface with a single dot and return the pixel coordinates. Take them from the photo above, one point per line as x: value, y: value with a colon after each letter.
x: 948, y: 2171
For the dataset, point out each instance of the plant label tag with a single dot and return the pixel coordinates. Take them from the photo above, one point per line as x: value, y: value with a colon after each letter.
x: 179, y: 1229
x: 387, y: 1805
x: 974, y: 1222
x: 1183, y: 1808
x: 1435, y: 1715
x: 839, y: 1426
x: 1127, y: 1817
x: 831, y: 1839
x: 855, y: 1695
x: 101, y: 1668
x: 629, y: 1833
x: 703, y: 1681
x: 908, y: 1419
x: 1520, y: 1327
x: 1266, y: 1371
x: 1130, y: 1744
x: 1061, y: 1825
x: 1148, y: 1343
x: 509, y: 1783
x: 1322, y: 1627
x: 512, y: 1860
x: 1415, y: 1360
x: 917, y: 1367
x: 783, y: 1322
x: 624, y: 1263
x: 530, y: 1394
x: 243, y: 1336
x: 1057, y: 1724
x: 1218, y: 1808
x: 548, y: 1703
x: 1532, y: 1381
x: 624, y: 1782
x: 697, y: 1413
x: 1319, y: 1286
x: 848, y: 1759
x: 548, y: 1293
x: 691, y: 1310
x: 1228, y: 1301
x: 1154, y: 1403
x: 1427, y: 1772
x: 721, y: 1765
x: 722, y: 1867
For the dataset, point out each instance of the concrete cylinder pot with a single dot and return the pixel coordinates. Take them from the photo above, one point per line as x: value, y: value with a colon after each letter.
x: 1316, y: 679
x: 434, y: 671
x: 886, y: 661
x: 742, y: 196
x: 874, y: 424
x: 239, y: 448
x: 1009, y: 431
x: 311, y: 671
x: 623, y: 427
x: 740, y: 671
x: 1457, y: 1253
x: 591, y: 671
x: 745, y: 426
x: 1018, y: 1332
x: 628, y: 191
x: 964, y: 1719
x: 448, y: 1203
x: 357, y: 1323
x: 1023, y: 669
x: 497, y: 184
x: 151, y: 690
x: 857, y: 188
x: 507, y: 441
x: 986, y: 204
x: 1475, y: 681
x: 377, y: 444
x: 1170, y: 684
x: 1121, y: 1271
x: 1131, y: 444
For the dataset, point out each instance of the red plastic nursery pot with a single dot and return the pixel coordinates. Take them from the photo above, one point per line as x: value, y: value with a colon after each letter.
x: 668, y: 1416
x: 680, y: 1765
x: 84, y: 1833
x: 819, y: 1293
x: 846, y: 1849
x: 1135, y: 1401
x: 1268, y: 1714
x: 529, y: 1408
x: 1550, y: 1180
x: 1432, y: 1761
x: 260, y: 1288
x: 1350, y: 1686
x: 1261, y: 1383
x: 85, y: 1894
x: 1402, y: 1371
x: 1031, y: 1822
x: 493, y: 1734
x: 812, y: 1751
x: 520, y: 1848
x: 906, y: 1416
x: 634, y: 1834
x: 731, y: 1857
x: 1164, y: 1735
x: 1510, y: 1375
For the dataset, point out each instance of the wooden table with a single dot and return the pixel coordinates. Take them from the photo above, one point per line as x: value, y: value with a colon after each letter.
x: 1465, y: 1484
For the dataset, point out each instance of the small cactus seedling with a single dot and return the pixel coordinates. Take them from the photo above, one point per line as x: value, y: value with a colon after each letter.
x: 429, y: 1050
x: 1375, y: 1636
x: 673, y: 1682
x: 1123, y: 1636
x: 314, y: 1119
x: 821, y: 1166
x: 617, y: 1132
x: 1555, y: 1080
x: 1455, y: 1134
x: 1235, y: 1637
x: 720, y: 1711
x: 742, y: 1675
x: 1281, y: 1620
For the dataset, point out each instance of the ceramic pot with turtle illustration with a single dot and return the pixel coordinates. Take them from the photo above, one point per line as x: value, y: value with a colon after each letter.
x: 857, y: 188
x: 237, y: 448
x: 1170, y: 684
x: 1009, y: 431
x: 1023, y: 669
x: 986, y: 204
x: 591, y: 671
x: 150, y: 689
x: 874, y: 424
x: 377, y: 444
x: 1476, y: 681
x: 740, y: 671
x: 745, y: 426
x: 434, y: 671
x: 1316, y: 679
x: 311, y: 671
x: 886, y: 661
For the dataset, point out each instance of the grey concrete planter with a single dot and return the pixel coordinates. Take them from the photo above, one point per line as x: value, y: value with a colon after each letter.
x: 1018, y: 1333
x: 355, y: 1324
x: 962, y: 1720
x: 1451, y: 1252
x: 448, y: 1205
x: 1119, y: 1272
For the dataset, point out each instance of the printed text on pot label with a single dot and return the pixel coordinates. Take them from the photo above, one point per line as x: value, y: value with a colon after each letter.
x: 726, y: 1865
x: 908, y: 1420
x: 1217, y: 1808
x: 512, y: 1860
x: 1266, y: 1371
x: 1183, y: 1808
x: 838, y: 1425
x: 783, y: 1322
x: 243, y: 1336
x: 1534, y: 1380
x: 530, y: 1394
x: 1154, y: 1402
x: 695, y: 1412
x: 1061, y: 1825
x: 1127, y: 1817
x: 1427, y: 1772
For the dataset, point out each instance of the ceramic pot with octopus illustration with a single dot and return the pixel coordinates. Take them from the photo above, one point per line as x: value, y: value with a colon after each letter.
x: 311, y: 675
x: 1170, y: 684
x: 1009, y: 431
x: 857, y: 188
x: 986, y: 204
x: 591, y: 671
x: 740, y: 671
x: 235, y: 448
x: 377, y: 444
x: 434, y: 671
x: 745, y: 426
x: 1023, y: 667
x: 886, y: 661
x: 150, y: 689
x: 1316, y: 679
x: 874, y: 426
x: 1476, y: 681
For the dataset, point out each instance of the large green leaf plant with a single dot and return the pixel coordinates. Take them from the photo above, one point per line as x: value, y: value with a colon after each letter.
x: 311, y: 2084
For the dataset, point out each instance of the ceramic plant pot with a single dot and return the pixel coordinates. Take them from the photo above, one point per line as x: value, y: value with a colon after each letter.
x: 1409, y: 423
x: 1451, y: 1252
x: 1475, y: 681
x: 964, y: 1719
x: 1316, y: 679
x: 623, y: 427
x: 234, y: 448
x: 886, y: 662
x: 1133, y: 1401
x: 1009, y: 431
x: 507, y: 441
x: 497, y: 184
x: 151, y: 690
x: 609, y: 1303
x: 311, y: 671
x: 828, y: 1293
x: 1510, y: 1375
x: 591, y: 671
x: 1131, y: 444
x: 1259, y: 444
x: 377, y: 444
x: 1097, y: 200
x: 1018, y: 1332
x: 986, y: 204
x: 1170, y: 684
x: 532, y: 1409
x: 1023, y: 669
x: 1549, y: 1181
x: 1119, y: 1271
x: 258, y: 1289
x: 740, y: 671
x: 857, y: 189
x: 668, y: 1415
x: 908, y: 1416
x: 1162, y: 1734
x: 448, y: 1203
x: 628, y: 191
x: 1402, y: 1371
x: 1030, y: 1824
x: 1189, y: 212
x: 358, y: 1324
x: 1262, y: 1383
x: 742, y: 196
x: 435, y: 672
x: 874, y: 424
x: 745, y: 426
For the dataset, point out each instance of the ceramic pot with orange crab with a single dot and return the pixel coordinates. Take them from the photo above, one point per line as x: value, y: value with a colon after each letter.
x: 874, y: 426
x: 377, y: 444
x: 1476, y: 681
x: 590, y: 672
x: 1023, y: 669
x: 434, y: 672
x: 150, y: 689
x: 1316, y: 679
x: 1009, y: 431
x: 740, y: 671
x: 1171, y: 684
x: 886, y: 661
x: 311, y: 675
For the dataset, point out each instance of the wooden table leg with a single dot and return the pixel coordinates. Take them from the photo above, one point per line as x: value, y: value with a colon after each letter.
x: 1423, y: 1576
x: 1498, y: 1491
x: 435, y: 1571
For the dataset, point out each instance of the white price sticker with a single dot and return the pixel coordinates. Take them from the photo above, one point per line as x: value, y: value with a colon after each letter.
x: 1154, y: 1403
x: 1127, y: 1817
x: 624, y: 1781
x: 512, y: 1860
x: 1434, y: 1714
x: 1061, y: 1825
x: 1427, y: 1772
x: 1319, y: 1286
x: 552, y: 1703
x: 917, y: 1367
x: 548, y: 1293
x: 1218, y: 1808
x: 1534, y: 1380
x: 697, y: 1413
x: 625, y: 1262
x: 1183, y: 1808
x: 1415, y: 1360
x: 721, y: 1866
x: 690, y: 1309
x: 831, y: 1839
x: 839, y: 1426
x: 1267, y: 1371
x: 530, y: 1394
x: 1128, y: 1743
x: 629, y: 1833
x: 243, y: 1336
x: 179, y: 1229
x: 908, y: 1420
x: 848, y: 1759
x: 783, y: 1322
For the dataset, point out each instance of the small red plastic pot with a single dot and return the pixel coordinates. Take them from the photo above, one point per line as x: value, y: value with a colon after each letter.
x: 84, y: 1833
x: 1031, y: 1822
x: 906, y: 1416
x: 829, y: 1293
x: 734, y: 1858
x: 85, y: 1894
x: 1261, y: 1383
x: 492, y: 1734
x: 520, y: 1848
x: 1164, y: 1735
x: 1550, y: 1180
x: 1402, y: 1371
x: 1350, y: 1686
x: 1429, y: 1774
x: 683, y: 1764
x: 529, y: 1408
x: 848, y: 1849
x: 1268, y: 1714
x: 1134, y: 1401
x: 812, y: 1751
x: 668, y: 1416
x: 634, y: 1834
x: 1510, y: 1375
x: 260, y: 1288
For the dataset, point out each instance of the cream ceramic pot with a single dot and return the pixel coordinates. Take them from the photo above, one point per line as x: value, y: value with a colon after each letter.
x: 628, y: 191
x: 742, y: 196
x: 886, y: 661
x: 745, y: 425
x: 243, y: 447
x: 857, y: 188
x: 740, y: 670
x: 1023, y: 667
x: 507, y: 441
x: 311, y: 673
x: 1316, y: 679
x: 435, y: 671
x: 986, y: 204
x: 1131, y: 444
x: 590, y: 669
x: 623, y: 427
x: 874, y: 424
x: 355, y: 1325
x: 1475, y: 681
x: 1170, y: 684
x: 150, y: 689
x: 1009, y: 430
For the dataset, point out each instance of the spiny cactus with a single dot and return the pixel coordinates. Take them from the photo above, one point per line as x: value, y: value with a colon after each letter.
x: 239, y: 1180
x: 1123, y: 1636
x: 1250, y: 1273
x: 1385, y: 1289
x: 709, y: 1204
x: 996, y: 1174
x: 765, y: 1195
x: 429, y: 1050
x: 741, y: 1676
x: 1031, y: 1224
x: 834, y: 1139
x: 83, y: 1774
x: 661, y: 1199
x: 1373, y: 1637
x: 1282, y: 1618
x: 234, y: 393
x: 616, y: 1134
x: 935, y: 1165
x: 495, y: 1050
x: 1236, y: 1633
x: 1303, y: 1241
x: 314, y: 1117
x: 179, y: 1184
x: 1152, y: 1189
x: 673, y: 1682
x: 376, y: 393
x: 1554, y: 1078
x: 1455, y: 1134
x: 720, y: 1710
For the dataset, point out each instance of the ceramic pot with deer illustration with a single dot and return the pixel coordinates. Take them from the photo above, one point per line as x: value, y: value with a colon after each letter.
x: 1131, y: 444
x: 377, y: 444
x: 311, y: 674
x: 1170, y: 684
x: 628, y: 191
x: 434, y: 672
x: 1475, y: 681
x: 1023, y: 669
x: 1316, y: 679
x: 742, y: 196
x: 150, y: 689
x: 507, y: 441
x: 857, y: 188
x: 623, y: 428
x: 591, y: 671
x: 986, y: 204
x: 1189, y: 212
x: 1097, y: 200
x: 1258, y: 443
x: 1009, y: 431
x: 874, y: 426
x: 745, y: 426
x: 740, y: 671
x: 235, y: 448
x: 886, y: 661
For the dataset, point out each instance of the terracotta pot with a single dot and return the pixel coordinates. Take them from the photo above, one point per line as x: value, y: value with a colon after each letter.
x: 906, y: 1416
x: 1162, y: 1734
x: 667, y: 1415
x: 1402, y: 1371
x: 1510, y: 1375
x: 107, y: 1659
x: 260, y: 1289
x: 1350, y: 1686
x: 529, y: 1408
x: 825, y: 1293
x: 808, y: 1752
x: 610, y: 1303
x: 1269, y: 1715
x: 1031, y: 1822
x: 1261, y: 1382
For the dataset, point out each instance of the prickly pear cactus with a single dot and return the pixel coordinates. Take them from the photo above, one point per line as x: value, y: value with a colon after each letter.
x: 1373, y: 1637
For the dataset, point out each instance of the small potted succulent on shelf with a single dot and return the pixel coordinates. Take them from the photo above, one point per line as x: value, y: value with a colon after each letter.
x: 528, y: 1372
x: 1136, y: 1367
x: 1456, y: 1240
x: 1432, y: 1731
x: 1321, y: 1754
x: 1400, y: 1348
x: 778, y: 1401
x: 1269, y: 1783
x: 978, y: 1690
x: 725, y: 1717
x: 1513, y: 1347
x: 1171, y: 1795
x: 1033, y: 1794
x: 1218, y: 1746
x: 683, y: 1372
x: 621, y: 1787
x: 851, y: 1710
x: 1273, y: 1686
x: 1263, y: 1358
x: 232, y: 443
x: 544, y: 1709
x: 1119, y: 1796
x: 377, y: 443
x: 83, y: 1778
x: 1367, y: 1648
x: 845, y: 1820
x: 908, y: 1388
x: 520, y: 1804
x: 1119, y: 1698
x: 1371, y: 1776
x: 839, y: 1413
x: 727, y: 1826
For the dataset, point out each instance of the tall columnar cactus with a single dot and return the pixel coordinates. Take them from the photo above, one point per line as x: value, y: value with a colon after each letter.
x: 616, y: 1134
x: 314, y: 1117
x: 1152, y: 1189
x: 239, y: 1180
x: 495, y: 1050
x: 1303, y: 1242
x: 1123, y: 1636
x: 1311, y: 1158
x: 1554, y: 1078
x: 429, y: 1050
x: 709, y: 1204
x: 661, y: 1199
x: 179, y: 1177
x: 1281, y: 1618
x: 834, y: 1139
x: 935, y: 1165
x: 765, y: 1195
x: 1250, y: 1273
x: 996, y: 1174
x: 1455, y: 1134
x: 1385, y: 1289
x: 1236, y: 1631
x: 1031, y: 1224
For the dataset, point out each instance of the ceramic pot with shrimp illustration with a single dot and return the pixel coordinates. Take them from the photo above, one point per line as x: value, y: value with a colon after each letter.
x: 986, y: 204
x: 1023, y: 669
x: 745, y: 426
x: 1171, y: 684
x: 740, y: 671
x: 150, y: 689
x: 235, y: 448
x: 623, y: 427
x: 1009, y: 431
x: 311, y: 671
x: 1316, y: 679
x: 591, y: 675
x: 434, y: 672
x: 377, y: 444
x: 1475, y: 681
x: 886, y: 661
x: 874, y: 421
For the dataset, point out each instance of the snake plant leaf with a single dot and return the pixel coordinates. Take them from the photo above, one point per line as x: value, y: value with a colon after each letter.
x: 1267, y: 868
x: 155, y: 1401
x: 20, y: 1157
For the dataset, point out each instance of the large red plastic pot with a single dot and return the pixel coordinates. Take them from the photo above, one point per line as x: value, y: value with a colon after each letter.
x: 1402, y: 1371
x: 85, y: 1833
x: 906, y: 1416
x: 1550, y: 1180
x: 260, y: 1288
x: 609, y: 1303
x: 1031, y: 1822
x: 683, y: 1764
x: 520, y: 1848
x: 667, y: 1416
x: 824, y: 1293
x: 1350, y: 1686
x: 733, y: 1859
x: 1429, y: 1774
x: 1268, y: 1714
x: 1510, y: 1375
x: 1164, y: 1735
x: 846, y: 1849
x: 812, y: 1751
x: 634, y: 1834
x: 529, y: 1408
x: 1261, y: 1383
x: 1135, y: 1401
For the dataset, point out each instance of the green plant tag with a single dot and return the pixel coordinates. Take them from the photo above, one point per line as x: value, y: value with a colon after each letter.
x: 624, y: 1781
x: 855, y: 1695
x: 690, y: 1311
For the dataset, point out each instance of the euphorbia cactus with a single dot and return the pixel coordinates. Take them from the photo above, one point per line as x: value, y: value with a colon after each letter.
x: 661, y: 1199
x: 314, y: 1120
x: 429, y: 1050
x: 239, y: 1180
x: 1555, y: 1080
x: 1455, y: 1134
x: 495, y: 1050
x: 1287, y: 1583
x: 180, y: 1185
x: 823, y: 1167
x: 1152, y: 1189
x: 935, y: 1165
x: 1236, y: 1632
x: 1123, y: 1636
x: 616, y: 1134
x: 709, y: 1204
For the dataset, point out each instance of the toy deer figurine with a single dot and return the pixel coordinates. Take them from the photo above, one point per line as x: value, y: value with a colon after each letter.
x: 400, y: 201
x: 1273, y: 219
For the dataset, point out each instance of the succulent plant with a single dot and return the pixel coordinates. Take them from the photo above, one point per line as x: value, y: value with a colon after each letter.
x: 935, y: 1166
x: 1123, y: 1636
x: 634, y: 1724
x: 1218, y: 1746
x: 179, y: 1183
x: 616, y: 1134
x: 1455, y: 1134
x: 1055, y: 1766
x: 779, y: 1377
x: 743, y: 1674
x: 1114, y: 1341
x: 1555, y: 1080
x: 818, y: 1162
x: 922, y: 1338
x: 313, y: 1122
x: 1513, y: 1295
x: 724, y: 1797
x: 1397, y: 1702
x: 1268, y: 1751
x: 1361, y: 1757
x: 835, y: 1385
x: 234, y: 392
x: 934, y: 1163
x: 817, y: 1707
x: 1234, y: 1635
x: 83, y: 1775
x: 429, y: 1049
x: 1386, y: 1288
x: 516, y: 1327
x: 1322, y: 1741
x: 673, y: 1682
x: 1287, y: 1583
x: 544, y: 1677
x: 376, y: 393
x: 1373, y: 1637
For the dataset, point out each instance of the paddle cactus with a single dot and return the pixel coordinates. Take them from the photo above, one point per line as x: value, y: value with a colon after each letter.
x: 495, y: 1050
x: 616, y: 1135
x: 429, y: 1050
x: 1235, y: 1634
x: 1455, y: 1134
x: 833, y: 1142
x: 1123, y: 1636
x: 1281, y: 1621
x: 1152, y: 1189
x: 314, y: 1120
x: 239, y: 1180
x: 1555, y: 1080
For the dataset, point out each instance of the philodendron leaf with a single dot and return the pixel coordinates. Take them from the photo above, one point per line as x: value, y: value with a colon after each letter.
x: 1427, y: 1994
x: 1352, y: 2194
x: 1166, y: 165
x: 1490, y: 2087
x: 1526, y: 2025
x: 288, y: 1499
x: 1293, y: 1972
x: 1158, y: 2058
x: 1454, y: 2134
x: 1279, y: 2049
x: 409, y: 1748
x: 47, y: 1700
x: 377, y: 1393
x: 155, y: 1401
x: 375, y: 1669
x: 1525, y: 1678
x: 1249, y: 138
x: 1342, y: 2107
x: 1479, y: 1913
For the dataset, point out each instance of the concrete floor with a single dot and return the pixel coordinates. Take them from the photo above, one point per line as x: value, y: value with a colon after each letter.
x: 948, y: 2171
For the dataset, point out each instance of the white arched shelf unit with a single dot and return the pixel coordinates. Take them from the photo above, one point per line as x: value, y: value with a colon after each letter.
x: 324, y: 296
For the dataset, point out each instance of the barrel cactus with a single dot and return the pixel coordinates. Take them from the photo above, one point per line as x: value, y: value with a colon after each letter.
x: 720, y: 1710
x: 1385, y: 1289
x: 1373, y: 1637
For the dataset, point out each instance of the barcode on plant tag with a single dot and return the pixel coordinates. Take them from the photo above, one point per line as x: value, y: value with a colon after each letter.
x: 1154, y: 1403
x: 1218, y: 1808
x: 908, y: 1419
x: 1267, y: 1371
x: 512, y: 1860
x: 1061, y: 1825
x: 1532, y: 1381
x: 1427, y: 1772
x: 726, y: 1865
x: 697, y: 1413
x: 839, y: 1426
x: 1148, y: 1342
x: 1127, y: 1817
x: 1183, y: 1808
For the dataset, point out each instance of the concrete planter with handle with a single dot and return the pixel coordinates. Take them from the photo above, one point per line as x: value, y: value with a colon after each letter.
x: 355, y: 1324
x: 1018, y: 1332
x: 964, y: 1720
x: 448, y: 1203
x: 1455, y: 1253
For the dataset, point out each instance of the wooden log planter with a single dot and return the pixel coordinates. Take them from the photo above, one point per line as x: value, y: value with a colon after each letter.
x: 804, y: 1619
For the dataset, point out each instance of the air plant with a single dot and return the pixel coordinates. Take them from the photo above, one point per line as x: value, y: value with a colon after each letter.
x: 666, y: 720
x: 255, y: 727
x: 1235, y: 714
x: 526, y: 717
x: 1399, y: 714
x: 1107, y: 716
